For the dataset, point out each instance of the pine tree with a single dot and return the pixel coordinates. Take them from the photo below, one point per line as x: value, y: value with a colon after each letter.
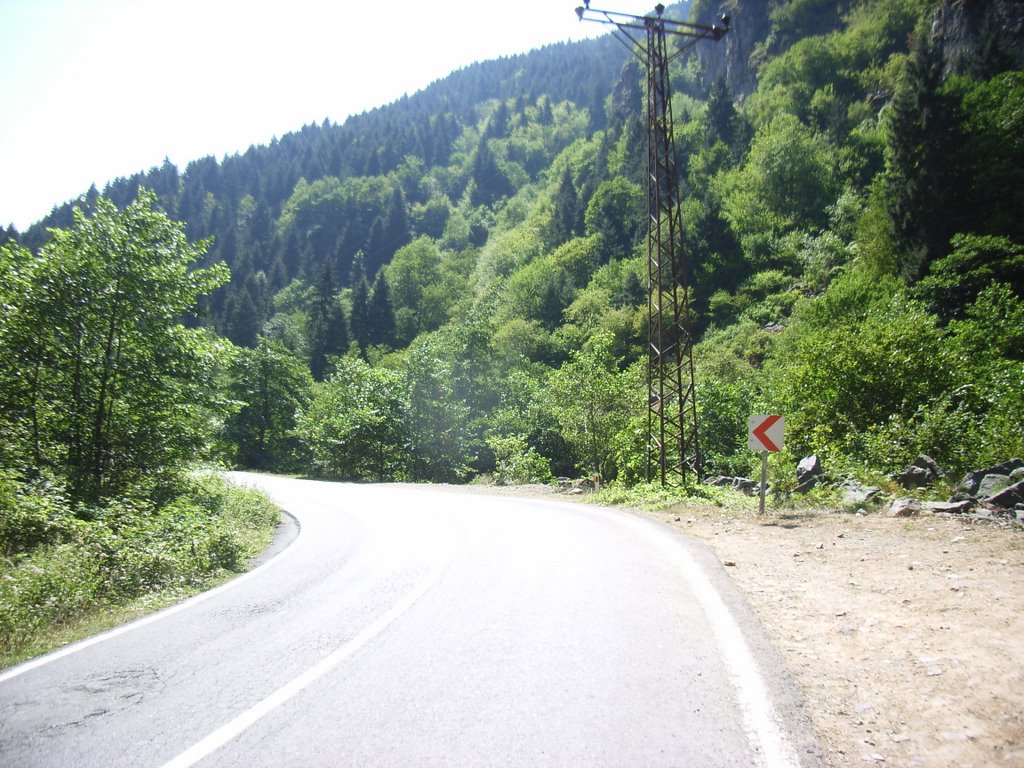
x: 243, y: 320
x: 381, y: 313
x: 490, y: 181
x: 326, y: 329
x: 566, y: 219
x: 922, y: 157
x: 359, y: 319
x: 721, y: 114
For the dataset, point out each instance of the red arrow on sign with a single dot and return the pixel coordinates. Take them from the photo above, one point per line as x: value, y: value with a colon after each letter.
x: 759, y: 433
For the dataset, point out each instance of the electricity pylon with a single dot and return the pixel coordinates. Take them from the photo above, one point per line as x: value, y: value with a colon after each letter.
x: 673, y: 450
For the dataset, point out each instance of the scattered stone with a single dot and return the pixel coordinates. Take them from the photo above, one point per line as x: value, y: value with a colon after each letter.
x: 808, y: 473
x: 948, y: 507
x: 745, y: 484
x: 855, y: 493
x: 905, y: 507
x: 922, y: 472
x: 972, y: 480
x: 914, y: 477
x: 992, y: 484
x: 1009, y: 497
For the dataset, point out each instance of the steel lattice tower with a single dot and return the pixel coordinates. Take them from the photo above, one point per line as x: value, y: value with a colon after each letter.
x: 673, y: 449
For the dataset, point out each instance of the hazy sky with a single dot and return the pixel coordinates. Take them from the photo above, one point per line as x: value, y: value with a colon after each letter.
x: 91, y: 90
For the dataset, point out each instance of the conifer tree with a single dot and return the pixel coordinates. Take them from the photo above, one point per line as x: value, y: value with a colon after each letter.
x: 566, y: 220
x: 244, y: 320
x: 326, y: 329
x: 922, y: 154
x: 381, y: 313
x: 359, y: 319
x: 721, y: 114
x: 490, y: 182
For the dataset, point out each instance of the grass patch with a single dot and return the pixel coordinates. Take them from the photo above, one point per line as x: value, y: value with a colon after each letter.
x: 84, y: 570
x: 653, y: 497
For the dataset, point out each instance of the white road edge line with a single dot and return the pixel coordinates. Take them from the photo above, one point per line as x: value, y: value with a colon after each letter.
x: 233, y: 728
x: 759, y: 717
x: 81, y: 645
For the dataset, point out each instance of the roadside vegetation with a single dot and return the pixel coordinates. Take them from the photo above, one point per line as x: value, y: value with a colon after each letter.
x: 454, y: 287
x: 107, y: 400
x: 68, y: 568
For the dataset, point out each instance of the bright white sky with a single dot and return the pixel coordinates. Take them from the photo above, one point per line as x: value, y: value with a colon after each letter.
x: 91, y: 90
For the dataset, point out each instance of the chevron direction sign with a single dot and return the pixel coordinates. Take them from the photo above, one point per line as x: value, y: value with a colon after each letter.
x: 764, y: 433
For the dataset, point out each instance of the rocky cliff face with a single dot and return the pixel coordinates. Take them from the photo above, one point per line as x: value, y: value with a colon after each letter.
x: 980, y: 36
x: 730, y: 57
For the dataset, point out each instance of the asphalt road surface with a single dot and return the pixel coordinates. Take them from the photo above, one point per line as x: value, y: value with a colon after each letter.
x: 413, y: 626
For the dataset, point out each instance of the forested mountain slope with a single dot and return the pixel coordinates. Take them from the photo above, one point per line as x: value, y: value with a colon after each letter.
x: 453, y: 283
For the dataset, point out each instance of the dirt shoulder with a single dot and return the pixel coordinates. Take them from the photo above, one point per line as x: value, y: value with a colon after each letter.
x: 906, y: 635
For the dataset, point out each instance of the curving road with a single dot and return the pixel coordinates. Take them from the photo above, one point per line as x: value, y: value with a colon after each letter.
x: 413, y: 626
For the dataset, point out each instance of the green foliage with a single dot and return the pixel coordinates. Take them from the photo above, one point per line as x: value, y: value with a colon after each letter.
x: 654, y: 496
x: 728, y: 387
x: 443, y: 439
x: 954, y: 282
x: 269, y: 384
x: 516, y: 463
x: 127, y: 548
x: 425, y: 288
x: 542, y: 289
x: 613, y: 213
x: 853, y: 360
x: 786, y: 183
x: 326, y: 328
x: 593, y: 401
x: 100, y: 380
x: 355, y: 425
x: 993, y: 158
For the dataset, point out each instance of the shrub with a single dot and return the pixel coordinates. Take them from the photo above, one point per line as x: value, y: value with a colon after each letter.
x: 516, y: 463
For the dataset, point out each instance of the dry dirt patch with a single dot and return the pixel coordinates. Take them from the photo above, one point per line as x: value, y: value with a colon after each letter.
x: 906, y: 635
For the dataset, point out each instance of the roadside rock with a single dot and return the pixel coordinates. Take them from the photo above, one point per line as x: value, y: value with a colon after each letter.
x: 808, y: 473
x: 855, y: 493
x: 921, y: 472
x: 744, y: 484
x: 905, y: 507
x: 1008, y: 498
x: 992, y: 484
x: 972, y: 480
x: 949, y: 507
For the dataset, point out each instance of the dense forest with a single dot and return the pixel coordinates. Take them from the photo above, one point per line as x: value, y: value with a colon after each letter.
x: 453, y: 285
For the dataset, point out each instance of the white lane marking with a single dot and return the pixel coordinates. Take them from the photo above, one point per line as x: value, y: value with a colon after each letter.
x: 760, y: 720
x: 81, y: 645
x: 233, y: 728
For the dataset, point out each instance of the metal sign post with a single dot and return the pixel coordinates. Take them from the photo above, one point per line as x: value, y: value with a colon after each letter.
x: 765, y: 434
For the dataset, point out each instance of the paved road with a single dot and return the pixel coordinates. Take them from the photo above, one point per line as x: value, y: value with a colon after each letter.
x: 411, y: 626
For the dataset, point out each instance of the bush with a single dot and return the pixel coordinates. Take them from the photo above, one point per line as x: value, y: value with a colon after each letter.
x: 59, y: 568
x: 516, y: 463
